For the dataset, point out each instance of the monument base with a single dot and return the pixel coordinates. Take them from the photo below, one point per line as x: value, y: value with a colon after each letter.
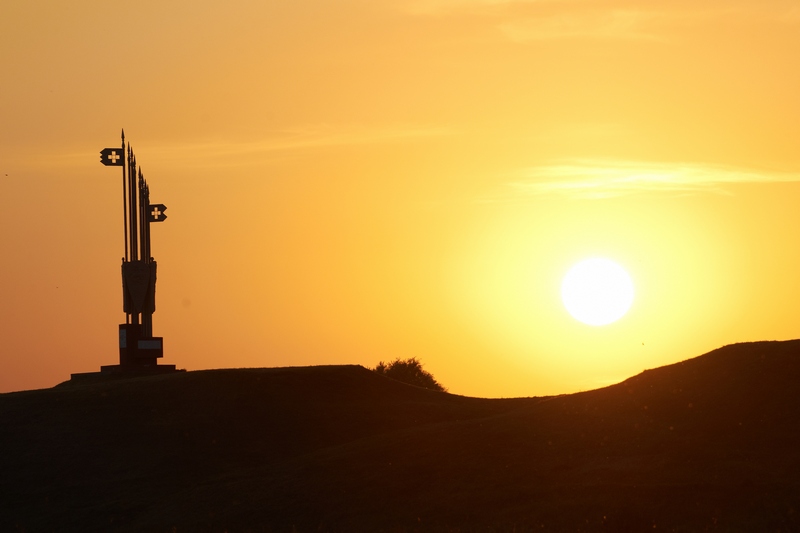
x: 124, y: 371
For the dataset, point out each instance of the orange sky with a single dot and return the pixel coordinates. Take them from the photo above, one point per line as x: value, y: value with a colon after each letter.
x: 355, y: 181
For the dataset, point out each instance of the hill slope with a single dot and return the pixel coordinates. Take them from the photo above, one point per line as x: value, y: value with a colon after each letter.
x: 710, y: 443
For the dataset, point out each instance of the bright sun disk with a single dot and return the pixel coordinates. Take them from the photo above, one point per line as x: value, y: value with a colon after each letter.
x: 597, y: 291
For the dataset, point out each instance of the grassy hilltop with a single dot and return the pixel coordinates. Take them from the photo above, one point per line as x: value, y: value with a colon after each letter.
x: 712, y: 443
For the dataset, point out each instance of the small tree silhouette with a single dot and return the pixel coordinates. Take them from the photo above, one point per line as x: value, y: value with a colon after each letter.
x: 409, y: 371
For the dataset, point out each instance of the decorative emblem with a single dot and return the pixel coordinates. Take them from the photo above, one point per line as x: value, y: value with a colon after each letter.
x: 156, y: 213
x: 112, y: 157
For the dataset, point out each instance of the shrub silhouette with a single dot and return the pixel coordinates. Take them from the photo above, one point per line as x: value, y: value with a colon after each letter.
x: 409, y: 371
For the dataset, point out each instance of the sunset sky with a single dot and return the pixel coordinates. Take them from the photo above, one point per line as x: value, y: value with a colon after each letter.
x: 356, y: 180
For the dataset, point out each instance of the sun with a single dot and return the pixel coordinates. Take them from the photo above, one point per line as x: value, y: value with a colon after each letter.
x: 597, y: 291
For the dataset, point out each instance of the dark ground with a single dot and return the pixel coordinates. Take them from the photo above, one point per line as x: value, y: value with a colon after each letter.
x: 710, y: 444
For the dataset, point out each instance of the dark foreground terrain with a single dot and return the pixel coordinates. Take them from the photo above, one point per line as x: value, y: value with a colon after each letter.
x: 710, y: 444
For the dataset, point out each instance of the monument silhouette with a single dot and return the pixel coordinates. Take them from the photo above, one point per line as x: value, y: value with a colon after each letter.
x: 139, y: 350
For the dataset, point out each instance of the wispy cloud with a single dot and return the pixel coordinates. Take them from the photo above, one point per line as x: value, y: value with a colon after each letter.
x: 311, y: 137
x: 556, y: 19
x: 438, y: 7
x: 527, y: 21
x: 595, y: 24
x: 607, y: 179
x: 224, y: 152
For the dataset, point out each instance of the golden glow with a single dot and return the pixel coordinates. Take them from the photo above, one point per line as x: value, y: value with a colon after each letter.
x: 597, y: 291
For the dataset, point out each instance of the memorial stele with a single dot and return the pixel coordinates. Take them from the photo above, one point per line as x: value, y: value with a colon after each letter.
x: 139, y: 350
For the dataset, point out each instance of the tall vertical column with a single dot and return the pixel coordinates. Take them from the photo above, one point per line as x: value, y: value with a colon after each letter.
x: 125, y: 173
x: 124, y: 197
x: 133, y: 206
x: 144, y: 255
x: 133, y: 221
x: 142, y: 219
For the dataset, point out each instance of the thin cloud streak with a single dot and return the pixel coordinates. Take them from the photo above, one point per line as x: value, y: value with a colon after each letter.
x: 603, y: 179
x: 582, y: 19
x: 313, y: 137
x: 613, y: 24
x: 225, y: 153
x: 439, y: 7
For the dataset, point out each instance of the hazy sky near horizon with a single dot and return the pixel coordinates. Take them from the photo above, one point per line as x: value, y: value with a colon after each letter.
x: 355, y: 181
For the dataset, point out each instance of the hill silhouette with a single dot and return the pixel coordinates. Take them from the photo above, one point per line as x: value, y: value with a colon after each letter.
x: 707, y: 444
